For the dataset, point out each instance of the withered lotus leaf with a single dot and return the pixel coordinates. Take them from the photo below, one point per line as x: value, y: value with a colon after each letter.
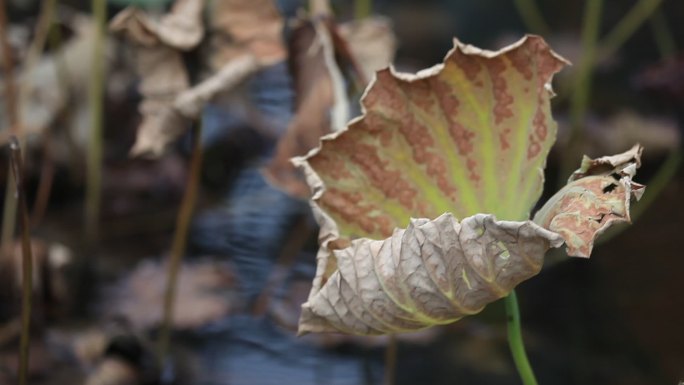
x: 468, y: 138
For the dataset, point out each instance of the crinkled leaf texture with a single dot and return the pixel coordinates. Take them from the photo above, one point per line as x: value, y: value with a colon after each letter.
x: 434, y: 272
x: 597, y: 196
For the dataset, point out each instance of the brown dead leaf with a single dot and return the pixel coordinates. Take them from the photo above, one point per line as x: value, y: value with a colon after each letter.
x: 160, y: 66
x: 597, y: 196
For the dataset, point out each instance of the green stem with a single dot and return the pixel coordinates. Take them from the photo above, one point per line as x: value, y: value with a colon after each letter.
x: 27, y: 261
x: 581, y: 97
x: 179, y: 241
x: 636, y: 16
x: 362, y: 9
x: 667, y: 46
x: 515, y: 341
x: 532, y: 17
x: 96, y: 96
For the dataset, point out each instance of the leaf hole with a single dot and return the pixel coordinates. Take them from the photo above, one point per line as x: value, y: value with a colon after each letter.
x: 610, y: 188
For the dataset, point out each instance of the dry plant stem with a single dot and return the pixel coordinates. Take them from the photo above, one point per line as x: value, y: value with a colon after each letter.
x: 94, y: 156
x: 391, y: 360
x: 532, y: 17
x: 12, y: 111
x: 662, y: 34
x: 41, y: 34
x: 47, y: 176
x: 636, y: 16
x: 515, y: 341
x: 179, y: 241
x: 47, y: 172
x: 580, y: 98
x: 8, y: 72
x: 27, y: 262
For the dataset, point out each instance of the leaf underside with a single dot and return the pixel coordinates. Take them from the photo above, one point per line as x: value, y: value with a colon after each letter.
x: 433, y: 272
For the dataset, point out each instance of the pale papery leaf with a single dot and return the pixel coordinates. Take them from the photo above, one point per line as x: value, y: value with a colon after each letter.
x: 159, y: 64
x: 434, y: 272
x: 597, y: 196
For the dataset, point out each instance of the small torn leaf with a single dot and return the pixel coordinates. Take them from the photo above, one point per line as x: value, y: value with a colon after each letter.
x: 433, y: 272
x: 597, y: 196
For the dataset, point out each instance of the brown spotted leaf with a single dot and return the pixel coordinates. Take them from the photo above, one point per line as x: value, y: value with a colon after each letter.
x: 467, y: 136
x: 597, y: 196
x: 434, y: 272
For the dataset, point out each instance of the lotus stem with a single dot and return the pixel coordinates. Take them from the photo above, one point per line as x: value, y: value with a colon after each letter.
x: 532, y: 16
x: 636, y: 16
x: 667, y: 46
x: 27, y: 261
x: 391, y: 360
x: 180, y: 240
x: 94, y: 155
x: 515, y: 341
x: 581, y: 95
x: 363, y: 9
x: 9, y: 207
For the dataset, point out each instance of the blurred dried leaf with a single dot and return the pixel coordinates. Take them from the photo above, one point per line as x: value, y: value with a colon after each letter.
x: 597, y: 196
x: 372, y: 43
x: 160, y: 66
x: 313, y: 89
x: 181, y: 28
x: 163, y: 76
x: 190, y: 102
x: 204, y: 295
x: 239, y: 27
x: 432, y: 273
x: 42, y: 88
